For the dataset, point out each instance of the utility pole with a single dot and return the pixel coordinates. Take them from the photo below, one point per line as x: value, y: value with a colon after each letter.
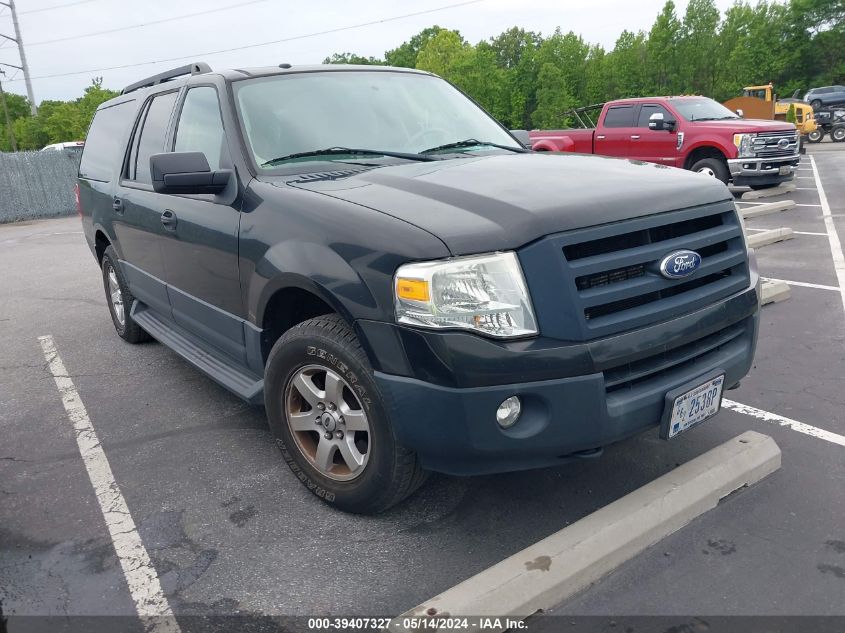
x: 17, y: 39
x: 8, y: 119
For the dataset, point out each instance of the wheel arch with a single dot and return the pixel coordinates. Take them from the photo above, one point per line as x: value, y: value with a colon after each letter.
x: 700, y: 152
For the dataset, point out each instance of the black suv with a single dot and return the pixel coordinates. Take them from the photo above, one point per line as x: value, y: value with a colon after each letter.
x: 401, y: 283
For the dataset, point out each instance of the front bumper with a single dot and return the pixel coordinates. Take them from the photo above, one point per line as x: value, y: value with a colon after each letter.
x: 441, y: 390
x: 762, y: 171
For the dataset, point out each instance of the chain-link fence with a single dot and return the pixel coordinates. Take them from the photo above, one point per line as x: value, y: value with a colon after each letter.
x: 37, y: 184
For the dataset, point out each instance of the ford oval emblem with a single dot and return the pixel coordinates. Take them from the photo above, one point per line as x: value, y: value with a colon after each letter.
x: 783, y: 143
x: 680, y: 264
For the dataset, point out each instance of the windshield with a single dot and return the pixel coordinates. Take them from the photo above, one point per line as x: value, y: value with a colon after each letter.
x: 396, y: 112
x: 702, y: 109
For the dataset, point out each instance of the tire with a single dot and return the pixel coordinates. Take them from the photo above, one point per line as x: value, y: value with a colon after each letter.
x: 770, y: 185
x: 713, y: 167
x: 325, y: 352
x: 119, y: 306
x: 816, y: 136
x: 815, y: 104
x: 838, y: 134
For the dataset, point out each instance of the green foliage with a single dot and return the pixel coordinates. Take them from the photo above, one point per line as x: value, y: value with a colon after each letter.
x: 352, y: 58
x: 57, y: 121
x: 790, y: 114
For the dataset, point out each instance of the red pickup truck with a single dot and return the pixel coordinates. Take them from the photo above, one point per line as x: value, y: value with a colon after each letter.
x: 694, y: 133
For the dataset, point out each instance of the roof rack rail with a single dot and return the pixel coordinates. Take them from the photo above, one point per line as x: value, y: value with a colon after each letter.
x: 197, y: 68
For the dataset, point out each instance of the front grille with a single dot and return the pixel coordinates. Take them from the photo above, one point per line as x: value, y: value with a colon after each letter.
x: 615, y: 268
x: 766, y: 144
x: 630, y: 375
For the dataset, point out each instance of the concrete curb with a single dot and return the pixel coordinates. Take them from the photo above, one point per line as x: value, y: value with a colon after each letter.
x: 552, y: 570
x: 774, y: 291
x: 768, y: 208
x: 768, y: 237
x: 768, y: 193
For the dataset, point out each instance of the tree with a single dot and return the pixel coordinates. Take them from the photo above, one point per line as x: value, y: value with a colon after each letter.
x: 18, y: 108
x: 352, y: 58
x: 661, y: 51
x: 698, y: 47
x: 405, y: 55
x: 627, y: 66
x: 554, y: 98
x: 441, y: 51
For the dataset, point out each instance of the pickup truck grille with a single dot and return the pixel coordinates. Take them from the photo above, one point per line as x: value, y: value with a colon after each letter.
x: 614, y: 269
x: 768, y: 144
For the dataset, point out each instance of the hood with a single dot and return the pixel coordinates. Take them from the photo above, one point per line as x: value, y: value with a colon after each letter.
x: 746, y: 125
x: 497, y: 202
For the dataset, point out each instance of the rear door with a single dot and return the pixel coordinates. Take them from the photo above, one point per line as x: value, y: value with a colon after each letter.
x: 654, y: 146
x: 138, y: 209
x: 613, y: 136
x: 201, y: 248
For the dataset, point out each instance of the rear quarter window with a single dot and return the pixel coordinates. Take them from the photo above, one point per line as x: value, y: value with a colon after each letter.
x: 104, y: 145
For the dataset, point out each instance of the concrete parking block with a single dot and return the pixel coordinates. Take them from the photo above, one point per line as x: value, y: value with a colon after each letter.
x: 774, y: 291
x: 768, y: 193
x: 768, y: 208
x: 769, y: 237
x: 554, y: 569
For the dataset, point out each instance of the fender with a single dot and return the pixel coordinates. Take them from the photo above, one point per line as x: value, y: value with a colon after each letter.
x: 557, y: 144
x: 312, y: 267
x: 712, y: 143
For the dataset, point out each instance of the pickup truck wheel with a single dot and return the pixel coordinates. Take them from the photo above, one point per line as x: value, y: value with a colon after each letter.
x: 329, y: 420
x: 838, y: 134
x: 712, y: 167
x: 120, y: 300
x: 815, y: 136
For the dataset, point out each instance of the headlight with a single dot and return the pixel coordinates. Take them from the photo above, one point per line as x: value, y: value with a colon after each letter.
x: 483, y: 293
x: 745, y: 144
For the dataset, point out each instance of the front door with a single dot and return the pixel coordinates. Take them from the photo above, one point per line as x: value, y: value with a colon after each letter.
x: 654, y: 146
x: 201, y: 250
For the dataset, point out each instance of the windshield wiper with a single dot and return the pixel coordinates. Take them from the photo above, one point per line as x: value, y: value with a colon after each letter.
x: 346, y: 151
x: 716, y: 118
x: 471, y: 142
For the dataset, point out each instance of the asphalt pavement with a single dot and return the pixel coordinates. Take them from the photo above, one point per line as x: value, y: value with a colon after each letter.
x: 230, y: 530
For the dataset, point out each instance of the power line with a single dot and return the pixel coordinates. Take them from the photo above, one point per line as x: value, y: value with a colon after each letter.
x: 56, y: 6
x: 143, y: 24
x: 248, y: 46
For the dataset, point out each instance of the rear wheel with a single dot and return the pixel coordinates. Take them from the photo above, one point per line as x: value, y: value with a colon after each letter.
x: 770, y: 185
x: 713, y: 167
x: 120, y: 300
x: 815, y: 104
x: 815, y: 136
x: 329, y: 420
x: 838, y: 134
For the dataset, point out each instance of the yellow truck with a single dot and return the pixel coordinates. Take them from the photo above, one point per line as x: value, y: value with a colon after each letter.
x: 760, y: 102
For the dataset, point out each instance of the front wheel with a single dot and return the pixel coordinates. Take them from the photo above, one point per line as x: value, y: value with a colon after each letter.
x: 330, y: 423
x: 838, y: 134
x: 713, y: 167
x: 815, y: 136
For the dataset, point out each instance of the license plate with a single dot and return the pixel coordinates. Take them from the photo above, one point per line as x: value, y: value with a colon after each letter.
x: 695, y: 406
x: 785, y: 170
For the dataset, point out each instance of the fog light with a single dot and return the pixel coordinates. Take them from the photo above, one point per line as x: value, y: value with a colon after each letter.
x: 508, y: 412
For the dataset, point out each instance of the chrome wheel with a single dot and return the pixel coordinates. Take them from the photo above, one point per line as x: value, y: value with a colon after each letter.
x: 115, y: 295
x: 327, y: 422
x: 708, y: 171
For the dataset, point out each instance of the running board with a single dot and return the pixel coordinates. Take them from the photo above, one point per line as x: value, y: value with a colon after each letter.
x: 204, y: 357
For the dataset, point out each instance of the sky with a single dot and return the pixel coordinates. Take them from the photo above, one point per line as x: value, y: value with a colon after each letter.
x: 227, y: 24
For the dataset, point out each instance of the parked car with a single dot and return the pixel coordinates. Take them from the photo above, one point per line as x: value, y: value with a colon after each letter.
x: 73, y: 147
x: 694, y: 133
x: 402, y: 285
x: 825, y: 97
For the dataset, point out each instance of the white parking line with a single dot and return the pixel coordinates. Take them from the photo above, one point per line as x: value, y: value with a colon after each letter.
x: 793, y: 232
x: 832, y: 235
x: 797, y: 204
x: 774, y: 418
x: 805, y: 284
x: 144, y: 586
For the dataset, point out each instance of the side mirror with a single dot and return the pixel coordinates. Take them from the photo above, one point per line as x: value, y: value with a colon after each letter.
x: 657, y: 122
x: 186, y: 173
x: 740, y: 113
x: 523, y: 137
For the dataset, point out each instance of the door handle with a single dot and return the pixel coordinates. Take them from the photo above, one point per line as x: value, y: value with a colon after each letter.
x: 169, y: 220
x: 600, y: 137
x: 117, y: 205
x: 635, y: 137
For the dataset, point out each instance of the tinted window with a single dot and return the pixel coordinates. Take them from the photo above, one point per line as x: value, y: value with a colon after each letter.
x: 152, y: 136
x: 201, y: 128
x: 651, y: 108
x: 104, y: 145
x: 622, y: 116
